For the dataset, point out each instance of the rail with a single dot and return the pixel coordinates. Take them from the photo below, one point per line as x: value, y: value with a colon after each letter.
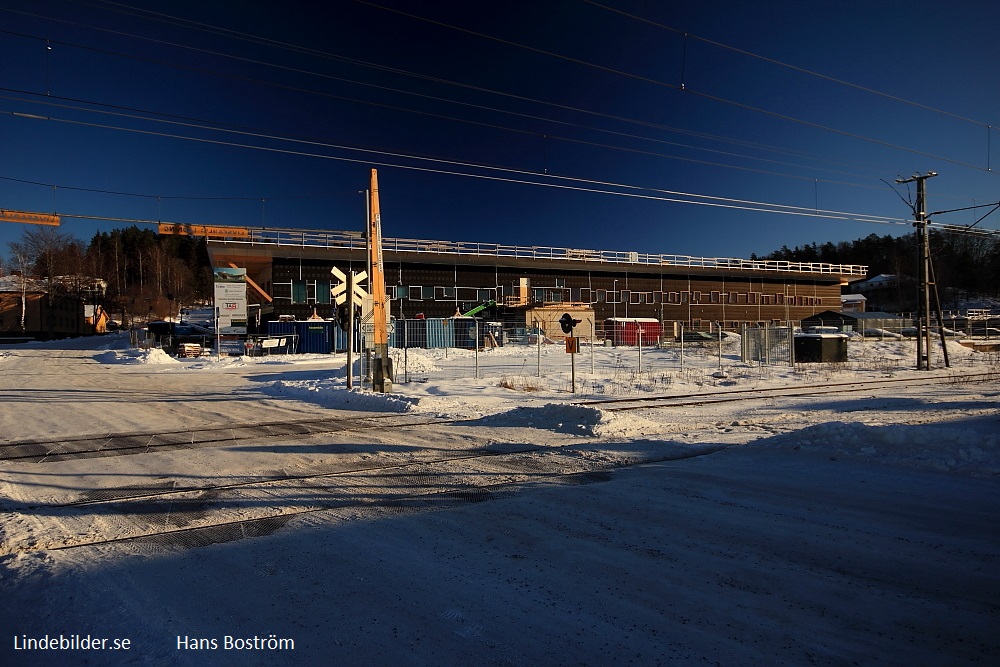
x: 356, y: 241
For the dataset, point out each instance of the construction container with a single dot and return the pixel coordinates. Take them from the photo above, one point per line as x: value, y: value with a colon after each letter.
x: 315, y: 336
x: 816, y: 348
x: 440, y: 333
x: 284, y: 338
x: 340, y: 337
x: 633, y: 330
x: 465, y: 331
x: 275, y: 328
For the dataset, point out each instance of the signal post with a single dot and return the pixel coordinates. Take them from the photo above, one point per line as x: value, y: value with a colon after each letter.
x: 567, y: 323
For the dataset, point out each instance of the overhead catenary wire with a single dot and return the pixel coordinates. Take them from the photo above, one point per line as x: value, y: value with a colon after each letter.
x: 796, y: 68
x: 814, y: 209
x: 666, y: 84
x: 397, y: 155
x: 529, y: 48
x: 573, y: 184
x: 479, y: 107
x: 48, y: 101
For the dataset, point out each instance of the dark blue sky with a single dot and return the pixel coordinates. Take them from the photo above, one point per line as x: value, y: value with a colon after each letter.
x: 472, y: 112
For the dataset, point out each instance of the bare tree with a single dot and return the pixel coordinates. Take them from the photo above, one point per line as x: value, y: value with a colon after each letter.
x: 22, y: 258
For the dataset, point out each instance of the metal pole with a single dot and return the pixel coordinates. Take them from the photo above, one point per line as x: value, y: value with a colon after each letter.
x: 940, y: 320
x: 538, y: 341
x: 923, y: 295
x: 682, y: 344
x: 638, y: 330
x: 593, y: 338
x: 767, y: 345
x: 719, y: 324
x: 572, y: 364
x: 476, y: 343
x: 350, y: 329
x: 791, y: 343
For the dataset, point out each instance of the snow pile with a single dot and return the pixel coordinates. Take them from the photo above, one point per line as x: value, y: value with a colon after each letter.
x: 970, y: 451
x: 334, y: 394
x: 551, y: 416
x: 625, y: 425
x: 573, y: 419
x: 152, y: 356
x: 417, y: 361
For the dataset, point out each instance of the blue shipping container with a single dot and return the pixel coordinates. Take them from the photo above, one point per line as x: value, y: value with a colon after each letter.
x: 283, y: 331
x: 315, y: 336
x: 440, y: 333
x: 465, y: 332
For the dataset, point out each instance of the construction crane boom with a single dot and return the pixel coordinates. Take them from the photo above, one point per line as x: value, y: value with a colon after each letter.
x: 479, y: 308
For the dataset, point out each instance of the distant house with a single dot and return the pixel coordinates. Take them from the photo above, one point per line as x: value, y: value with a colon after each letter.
x: 853, y: 303
x: 886, y: 291
x: 29, y: 310
x: 880, y: 282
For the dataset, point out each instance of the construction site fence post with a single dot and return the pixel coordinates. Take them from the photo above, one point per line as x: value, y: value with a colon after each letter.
x: 593, y: 341
x: 538, y: 342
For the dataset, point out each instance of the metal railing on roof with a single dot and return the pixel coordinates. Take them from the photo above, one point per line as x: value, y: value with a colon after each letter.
x: 356, y: 241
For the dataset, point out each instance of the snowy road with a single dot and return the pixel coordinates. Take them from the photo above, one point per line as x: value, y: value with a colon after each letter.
x: 762, y: 533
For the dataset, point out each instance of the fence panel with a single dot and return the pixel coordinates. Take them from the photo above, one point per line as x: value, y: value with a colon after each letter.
x: 767, y: 345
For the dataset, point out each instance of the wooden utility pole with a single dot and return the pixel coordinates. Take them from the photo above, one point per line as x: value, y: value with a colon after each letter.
x: 382, y: 371
x: 924, y: 271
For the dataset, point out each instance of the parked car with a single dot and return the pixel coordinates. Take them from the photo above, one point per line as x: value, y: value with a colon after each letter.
x: 170, y: 335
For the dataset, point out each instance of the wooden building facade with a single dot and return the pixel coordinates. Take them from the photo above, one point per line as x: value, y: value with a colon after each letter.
x: 440, y: 278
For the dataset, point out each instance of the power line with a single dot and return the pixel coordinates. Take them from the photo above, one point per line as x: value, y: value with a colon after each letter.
x: 447, y: 162
x: 796, y: 68
x: 570, y: 183
x: 506, y: 42
x: 664, y: 84
x: 47, y: 101
x: 480, y: 107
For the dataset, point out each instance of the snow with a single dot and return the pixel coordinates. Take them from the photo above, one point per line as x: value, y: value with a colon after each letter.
x: 501, y: 519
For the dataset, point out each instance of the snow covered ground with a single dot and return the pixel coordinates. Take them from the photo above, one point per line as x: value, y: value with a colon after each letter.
x: 499, y: 520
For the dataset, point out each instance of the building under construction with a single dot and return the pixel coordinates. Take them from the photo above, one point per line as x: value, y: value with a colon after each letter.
x: 289, y: 273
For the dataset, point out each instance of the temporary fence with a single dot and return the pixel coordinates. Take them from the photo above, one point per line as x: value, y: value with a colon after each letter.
x: 767, y: 345
x: 527, y: 359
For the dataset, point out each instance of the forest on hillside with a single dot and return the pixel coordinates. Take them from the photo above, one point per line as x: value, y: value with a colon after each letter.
x: 966, y: 267
x: 148, y: 275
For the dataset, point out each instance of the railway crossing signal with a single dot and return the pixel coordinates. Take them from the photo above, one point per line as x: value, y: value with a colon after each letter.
x: 346, y: 293
x: 567, y: 323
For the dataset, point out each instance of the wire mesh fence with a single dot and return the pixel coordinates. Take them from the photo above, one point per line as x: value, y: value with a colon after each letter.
x: 542, y: 363
x: 533, y: 361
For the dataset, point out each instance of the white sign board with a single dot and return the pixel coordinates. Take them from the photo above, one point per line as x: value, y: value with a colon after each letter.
x: 231, y: 300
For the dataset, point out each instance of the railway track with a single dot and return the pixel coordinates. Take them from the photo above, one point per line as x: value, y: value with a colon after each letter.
x: 167, y: 515
x: 802, y: 391
x: 122, y: 444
